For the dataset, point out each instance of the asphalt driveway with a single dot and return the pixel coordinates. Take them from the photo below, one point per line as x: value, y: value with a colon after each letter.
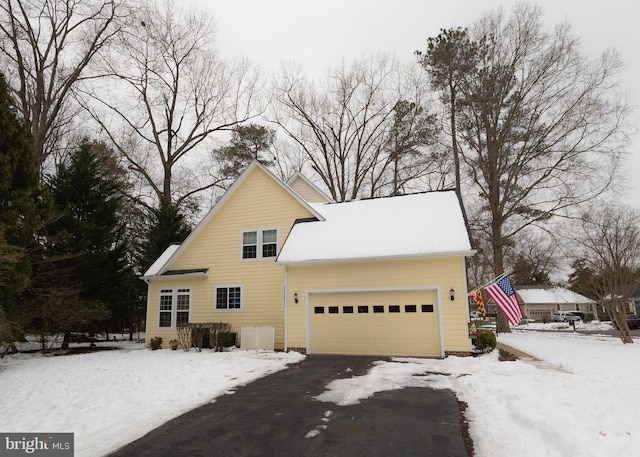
x: 278, y: 416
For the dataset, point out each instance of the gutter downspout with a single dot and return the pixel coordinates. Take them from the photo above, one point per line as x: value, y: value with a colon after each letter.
x: 146, y: 319
x: 286, y: 308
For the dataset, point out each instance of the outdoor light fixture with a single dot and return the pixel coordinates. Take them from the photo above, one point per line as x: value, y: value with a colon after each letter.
x: 452, y: 294
x: 295, y: 297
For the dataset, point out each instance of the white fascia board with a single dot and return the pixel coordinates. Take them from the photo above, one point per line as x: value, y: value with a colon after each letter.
x: 373, y: 259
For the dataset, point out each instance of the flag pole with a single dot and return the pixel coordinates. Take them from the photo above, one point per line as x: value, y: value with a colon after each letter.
x: 496, y: 279
x: 493, y: 281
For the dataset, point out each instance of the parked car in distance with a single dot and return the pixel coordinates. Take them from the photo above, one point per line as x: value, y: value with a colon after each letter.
x: 633, y: 322
x: 565, y: 316
x: 580, y: 314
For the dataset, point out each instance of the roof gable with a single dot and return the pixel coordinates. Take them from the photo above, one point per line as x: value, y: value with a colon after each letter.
x: 307, y: 190
x: 169, y: 257
x: 416, y: 225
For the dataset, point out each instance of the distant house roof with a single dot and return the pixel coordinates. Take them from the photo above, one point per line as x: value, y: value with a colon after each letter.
x: 549, y: 294
x: 416, y: 225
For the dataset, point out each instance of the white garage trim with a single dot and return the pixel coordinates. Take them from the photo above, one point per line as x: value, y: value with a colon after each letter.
x: 391, y: 289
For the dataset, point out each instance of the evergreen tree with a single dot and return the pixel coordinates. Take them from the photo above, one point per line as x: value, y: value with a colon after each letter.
x: 413, y: 129
x: 83, y: 273
x: 527, y: 272
x: 248, y: 143
x: 18, y: 187
x: 164, y: 225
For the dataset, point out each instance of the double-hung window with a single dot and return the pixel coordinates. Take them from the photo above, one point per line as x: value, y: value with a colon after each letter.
x: 259, y: 244
x: 228, y: 298
x: 175, y: 306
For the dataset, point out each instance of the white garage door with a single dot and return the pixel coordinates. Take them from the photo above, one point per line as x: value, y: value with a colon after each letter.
x: 375, y: 323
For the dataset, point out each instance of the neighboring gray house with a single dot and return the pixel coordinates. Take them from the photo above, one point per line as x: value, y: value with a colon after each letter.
x: 540, y: 301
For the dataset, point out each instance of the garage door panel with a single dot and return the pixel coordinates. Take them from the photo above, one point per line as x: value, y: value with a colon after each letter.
x: 396, y: 323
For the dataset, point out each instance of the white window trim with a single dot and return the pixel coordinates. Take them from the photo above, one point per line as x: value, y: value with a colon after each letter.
x: 227, y: 310
x: 174, y: 304
x: 259, y: 243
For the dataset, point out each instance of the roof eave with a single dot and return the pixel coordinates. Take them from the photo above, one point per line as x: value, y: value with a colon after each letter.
x: 465, y: 253
x: 185, y: 275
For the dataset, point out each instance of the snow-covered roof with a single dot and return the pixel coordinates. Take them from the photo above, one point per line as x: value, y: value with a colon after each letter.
x: 416, y: 225
x: 161, y: 261
x: 555, y: 294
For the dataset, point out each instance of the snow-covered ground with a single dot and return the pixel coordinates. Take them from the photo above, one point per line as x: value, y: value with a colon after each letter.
x: 580, y: 399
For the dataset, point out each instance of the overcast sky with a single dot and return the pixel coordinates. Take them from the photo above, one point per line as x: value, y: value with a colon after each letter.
x: 319, y: 34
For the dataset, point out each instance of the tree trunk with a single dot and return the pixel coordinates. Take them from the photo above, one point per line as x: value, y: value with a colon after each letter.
x: 502, y: 324
x: 65, y: 340
x: 454, y: 140
x: 617, y: 314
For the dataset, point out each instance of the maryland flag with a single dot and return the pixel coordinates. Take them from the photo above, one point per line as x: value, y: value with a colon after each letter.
x: 476, y: 296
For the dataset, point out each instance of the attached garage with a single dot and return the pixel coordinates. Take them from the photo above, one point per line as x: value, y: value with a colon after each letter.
x: 382, y: 277
x: 375, y: 322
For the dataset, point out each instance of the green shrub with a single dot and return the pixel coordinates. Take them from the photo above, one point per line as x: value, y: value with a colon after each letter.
x: 173, y: 344
x: 226, y: 339
x: 589, y: 317
x: 155, y: 343
x: 485, y: 341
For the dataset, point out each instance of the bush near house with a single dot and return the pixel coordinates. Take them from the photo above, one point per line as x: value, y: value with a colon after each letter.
x: 155, y: 343
x: 485, y: 341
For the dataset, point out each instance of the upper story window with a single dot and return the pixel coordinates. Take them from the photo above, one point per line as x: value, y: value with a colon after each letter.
x: 259, y: 244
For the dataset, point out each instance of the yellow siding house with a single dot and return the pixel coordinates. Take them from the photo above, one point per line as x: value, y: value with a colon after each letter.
x: 384, y: 276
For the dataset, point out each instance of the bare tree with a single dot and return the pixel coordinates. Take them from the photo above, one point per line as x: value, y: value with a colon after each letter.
x: 48, y: 45
x: 609, y: 243
x: 533, y: 257
x: 541, y: 125
x: 343, y: 122
x: 169, y: 93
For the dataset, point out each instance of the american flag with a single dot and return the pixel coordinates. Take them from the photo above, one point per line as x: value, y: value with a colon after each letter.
x: 504, y: 296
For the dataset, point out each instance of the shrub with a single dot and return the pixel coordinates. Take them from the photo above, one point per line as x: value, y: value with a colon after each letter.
x: 173, y: 344
x: 506, y: 356
x: 155, y: 343
x: 225, y: 340
x: 589, y: 317
x: 485, y: 341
